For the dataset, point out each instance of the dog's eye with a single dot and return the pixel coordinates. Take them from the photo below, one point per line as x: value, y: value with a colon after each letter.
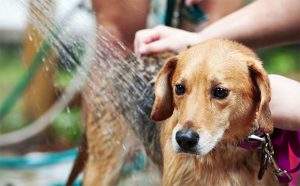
x: 179, y: 89
x: 220, y: 93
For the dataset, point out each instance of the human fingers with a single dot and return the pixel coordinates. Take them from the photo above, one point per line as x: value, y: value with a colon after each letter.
x: 143, y: 37
x: 146, y: 36
x: 158, y: 46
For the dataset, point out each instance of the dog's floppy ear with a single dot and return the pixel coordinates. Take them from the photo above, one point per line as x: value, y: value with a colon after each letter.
x: 261, y: 80
x: 163, y: 104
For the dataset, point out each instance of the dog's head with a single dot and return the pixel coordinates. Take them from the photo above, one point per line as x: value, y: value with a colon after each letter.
x: 215, y: 91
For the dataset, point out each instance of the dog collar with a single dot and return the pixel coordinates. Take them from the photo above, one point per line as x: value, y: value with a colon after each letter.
x: 254, y: 141
x: 263, y: 141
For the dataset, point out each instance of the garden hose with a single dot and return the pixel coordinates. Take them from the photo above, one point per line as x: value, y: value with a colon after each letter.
x: 43, y: 51
x: 45, y: 120
x: 36, y: 160
x: 25, y: 80
x: 33, y: 160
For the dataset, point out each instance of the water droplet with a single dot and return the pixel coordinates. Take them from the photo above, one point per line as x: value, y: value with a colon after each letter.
x: 30, y: 37
x: 46, y: 68
x: 124, y: 147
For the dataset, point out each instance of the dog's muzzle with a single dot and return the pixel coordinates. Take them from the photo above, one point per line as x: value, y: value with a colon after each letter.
x: 187, y: 140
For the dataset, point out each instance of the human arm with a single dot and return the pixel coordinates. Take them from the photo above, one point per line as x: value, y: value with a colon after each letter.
x: 285, y: 102
x: 263, y: 23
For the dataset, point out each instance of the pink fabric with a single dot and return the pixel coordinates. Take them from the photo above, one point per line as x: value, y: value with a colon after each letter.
x: 296, y: 176
x: 287, y: 144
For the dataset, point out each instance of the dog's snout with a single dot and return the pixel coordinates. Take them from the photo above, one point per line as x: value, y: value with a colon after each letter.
x: 187, y: 139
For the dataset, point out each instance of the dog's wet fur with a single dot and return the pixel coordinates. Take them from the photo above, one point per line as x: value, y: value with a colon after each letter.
x: 103, y: 163
x: 196, y: 140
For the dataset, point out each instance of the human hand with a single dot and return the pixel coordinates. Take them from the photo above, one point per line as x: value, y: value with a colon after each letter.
x: 163, y: 38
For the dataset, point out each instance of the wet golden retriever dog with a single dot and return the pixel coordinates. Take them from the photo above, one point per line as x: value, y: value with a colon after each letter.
x: 210, y: 98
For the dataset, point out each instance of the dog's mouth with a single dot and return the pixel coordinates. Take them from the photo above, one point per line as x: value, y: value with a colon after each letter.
x: 191, y: 151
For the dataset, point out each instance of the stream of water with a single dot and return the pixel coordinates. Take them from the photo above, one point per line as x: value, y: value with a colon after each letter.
x: 107, y: 74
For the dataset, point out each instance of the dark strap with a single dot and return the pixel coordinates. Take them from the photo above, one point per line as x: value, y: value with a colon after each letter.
x: 169, y: 12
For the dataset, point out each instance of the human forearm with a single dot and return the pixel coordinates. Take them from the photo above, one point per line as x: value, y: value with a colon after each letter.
x: 285, y: 102
x: 261, y: 24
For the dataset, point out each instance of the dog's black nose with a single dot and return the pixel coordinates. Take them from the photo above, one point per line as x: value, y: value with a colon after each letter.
x: 187, y: 139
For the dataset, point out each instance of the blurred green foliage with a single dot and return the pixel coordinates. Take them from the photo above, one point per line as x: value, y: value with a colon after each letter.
x: 10, y: 73
x: 283, y: 60
x: 67, y: 126
x: 10, y: 68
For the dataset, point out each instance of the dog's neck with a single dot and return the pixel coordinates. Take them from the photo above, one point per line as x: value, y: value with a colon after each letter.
x: 227, y: 155
x: 222, y: 166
